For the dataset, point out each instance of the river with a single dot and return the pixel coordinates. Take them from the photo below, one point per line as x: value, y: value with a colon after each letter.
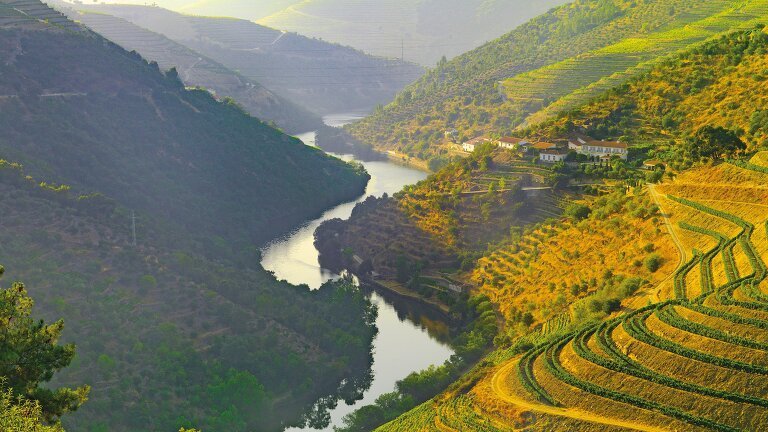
x: 404, y: 344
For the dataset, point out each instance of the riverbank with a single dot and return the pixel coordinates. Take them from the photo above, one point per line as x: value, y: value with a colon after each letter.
x: 404, y: 293
x: 411, y: 337
x: 407, y: 160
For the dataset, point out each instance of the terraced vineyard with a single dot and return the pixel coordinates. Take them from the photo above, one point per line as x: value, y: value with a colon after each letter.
x: 570, y: 83
x: 694, y: 359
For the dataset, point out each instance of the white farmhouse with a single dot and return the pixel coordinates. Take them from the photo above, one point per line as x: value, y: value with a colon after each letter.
x: 591, y: 147
x: 553, y: 155
x: 512, y: 143
x: 471, y: 145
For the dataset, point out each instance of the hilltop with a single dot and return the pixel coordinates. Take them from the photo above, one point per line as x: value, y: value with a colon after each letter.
x: 321, y: 77
x: 555, y: 62
x: 195, y: 70
x: 422, y: 31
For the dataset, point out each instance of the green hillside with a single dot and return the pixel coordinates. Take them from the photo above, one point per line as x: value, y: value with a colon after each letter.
x: 555, y: 62
x: 71, y: 109
x: 322, y: 77
x: 165, y: 337
x: 720, y: 83
x: 420, y: 30
x: 197, y: 71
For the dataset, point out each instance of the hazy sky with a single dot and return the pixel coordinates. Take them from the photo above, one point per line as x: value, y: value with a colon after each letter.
x: 248, y: 9
x: 169, y: 4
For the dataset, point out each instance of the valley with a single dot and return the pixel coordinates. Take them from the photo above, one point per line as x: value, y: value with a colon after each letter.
x: 410, y: 337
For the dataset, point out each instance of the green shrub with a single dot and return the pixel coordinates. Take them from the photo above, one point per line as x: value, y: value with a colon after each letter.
x: 653, y: 262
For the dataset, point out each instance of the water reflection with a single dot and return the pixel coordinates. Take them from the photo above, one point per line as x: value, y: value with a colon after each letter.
x: 411, y: 338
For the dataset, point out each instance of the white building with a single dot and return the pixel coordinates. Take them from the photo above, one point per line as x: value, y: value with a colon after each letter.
x: 471, y: 145
x: 512, y: 143
x: 591, y: 147
x: 553, y: 155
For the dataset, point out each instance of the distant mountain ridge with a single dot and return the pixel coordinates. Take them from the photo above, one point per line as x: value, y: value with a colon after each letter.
x: 321, y: 77
x: 423, y: 30
x: 196, y: 70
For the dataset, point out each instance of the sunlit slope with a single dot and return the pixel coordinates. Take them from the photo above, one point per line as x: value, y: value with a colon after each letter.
x: 555, y: 62
x: 197, y: 70
x: 573, y: 82
x: 718, y: 83
x: 692, y: 359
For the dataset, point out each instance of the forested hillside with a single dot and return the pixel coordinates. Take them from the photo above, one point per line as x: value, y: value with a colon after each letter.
x: 83, y: 110
x: 422, y: 30
x: 165, y: 337
x: 195, y: 70
x: 319, y: 76
x: 554, y: 62
x: 177, y: 324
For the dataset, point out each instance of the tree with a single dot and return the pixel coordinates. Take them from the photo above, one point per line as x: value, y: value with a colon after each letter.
x: 714, y: 142
x: 29, y: 355
x: 653, y: 262
x: 577, y: 211
x: 21, y: 415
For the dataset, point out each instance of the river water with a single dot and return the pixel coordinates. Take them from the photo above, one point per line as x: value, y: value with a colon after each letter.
x: 408, y: 338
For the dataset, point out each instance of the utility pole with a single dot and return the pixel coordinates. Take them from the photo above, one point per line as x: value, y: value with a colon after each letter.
x: 402, y: 50
x: 133, y: 226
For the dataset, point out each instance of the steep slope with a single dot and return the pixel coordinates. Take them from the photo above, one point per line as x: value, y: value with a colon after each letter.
x: 423, y: 31
x: 720, y: 83
x: 605, y: 328
x: 197, y: 71
x: 165, y: 337
x: 421, y: 241
x: 322, y: 77
x: 555, y: 62
x: 78, y: 108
